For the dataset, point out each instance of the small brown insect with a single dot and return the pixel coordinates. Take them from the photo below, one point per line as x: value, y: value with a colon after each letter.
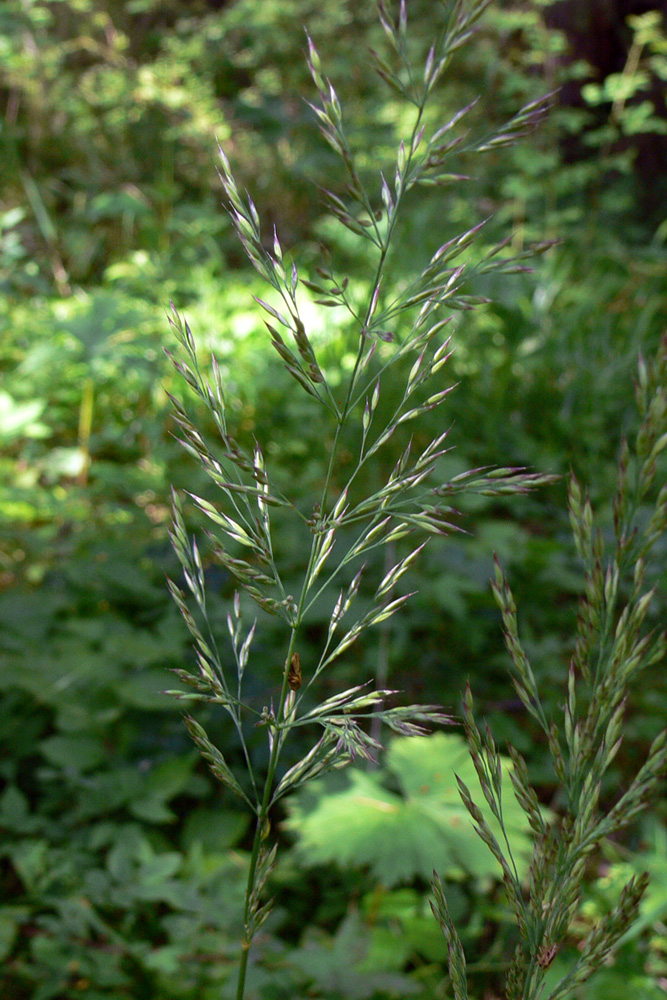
x: 294, y: 675
x: 546, y: 955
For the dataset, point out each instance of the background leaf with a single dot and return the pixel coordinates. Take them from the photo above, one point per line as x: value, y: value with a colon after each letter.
x: 403, y: 836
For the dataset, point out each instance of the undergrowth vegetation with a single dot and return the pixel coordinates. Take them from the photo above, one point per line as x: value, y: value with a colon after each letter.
x: 127, y: 870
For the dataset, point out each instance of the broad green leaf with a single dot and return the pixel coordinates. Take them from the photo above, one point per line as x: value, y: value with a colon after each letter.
x: 15, y: 811
x: 21, y: 419
x: 78, y: 753
x: 151, y: 809
x: 30, y: 859
x: 403, y: 836
x: 426, y: 768
x: 343, y: 965
x: 161, y: 784
x: 154, y: 870
x: 410, y: 911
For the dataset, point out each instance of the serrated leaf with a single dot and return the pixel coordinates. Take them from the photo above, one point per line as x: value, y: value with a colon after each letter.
x: 399, y: 836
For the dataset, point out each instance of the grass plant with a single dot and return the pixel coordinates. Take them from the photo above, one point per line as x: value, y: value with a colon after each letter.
x: 613, y: 644
x: 400, y: 349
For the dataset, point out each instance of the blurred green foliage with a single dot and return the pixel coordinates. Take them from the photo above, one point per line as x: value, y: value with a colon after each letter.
x: 122, y: 867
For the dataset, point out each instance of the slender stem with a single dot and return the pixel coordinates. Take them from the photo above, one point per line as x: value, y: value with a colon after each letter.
x: 261, y: 830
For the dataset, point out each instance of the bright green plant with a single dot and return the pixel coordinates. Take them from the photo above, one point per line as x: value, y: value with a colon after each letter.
x: 407, y: 833
x: 612, y: 646
x: 395, y: 340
